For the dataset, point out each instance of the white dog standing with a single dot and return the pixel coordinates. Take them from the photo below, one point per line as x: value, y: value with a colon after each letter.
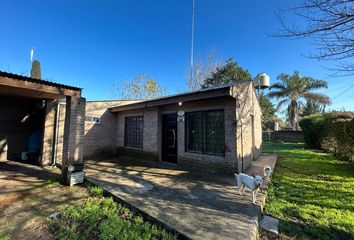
x: 251, y: 182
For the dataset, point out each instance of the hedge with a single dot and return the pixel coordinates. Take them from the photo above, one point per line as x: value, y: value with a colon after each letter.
x: 333, y: 132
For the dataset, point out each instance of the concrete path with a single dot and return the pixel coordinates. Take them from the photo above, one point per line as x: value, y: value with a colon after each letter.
x: 199, y: 206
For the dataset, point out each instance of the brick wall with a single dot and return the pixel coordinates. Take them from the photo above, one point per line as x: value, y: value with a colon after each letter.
x: 286, y: 136
x: 150, y: 136
x: 73, y: 131
x: 100, y: 138
x: 153, y: 130
x: 249, y: 129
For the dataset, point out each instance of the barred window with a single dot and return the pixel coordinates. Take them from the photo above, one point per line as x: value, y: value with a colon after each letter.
x: 133, y: 135
x: 205, y: 132
x: 92, y: 119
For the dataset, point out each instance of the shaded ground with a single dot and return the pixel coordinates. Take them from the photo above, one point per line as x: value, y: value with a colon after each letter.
x: 197, y: 205
x: 28, y: 196
x: 312, y: 193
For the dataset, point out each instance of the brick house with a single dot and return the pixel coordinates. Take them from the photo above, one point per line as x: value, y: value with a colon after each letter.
x: 216, y: 129
x: 41, y: 121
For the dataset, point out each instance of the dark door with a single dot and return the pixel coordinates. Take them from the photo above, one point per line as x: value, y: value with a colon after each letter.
x: 169, y: 138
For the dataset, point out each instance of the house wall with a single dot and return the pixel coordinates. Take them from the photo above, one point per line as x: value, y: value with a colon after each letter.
x: 153, y: 129
x: 100, y: 138
x: 151, y: 143
x: 249, y: 127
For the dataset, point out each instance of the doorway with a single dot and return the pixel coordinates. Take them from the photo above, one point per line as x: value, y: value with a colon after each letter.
x: 169, y: 138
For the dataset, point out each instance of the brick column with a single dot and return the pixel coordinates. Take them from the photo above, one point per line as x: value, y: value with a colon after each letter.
x: 73, y: 132
x: 48, y: 133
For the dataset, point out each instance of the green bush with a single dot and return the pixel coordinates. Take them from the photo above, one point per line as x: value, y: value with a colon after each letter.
x: 95, y: 191
x: 333, y: 132
x: 312, y: 127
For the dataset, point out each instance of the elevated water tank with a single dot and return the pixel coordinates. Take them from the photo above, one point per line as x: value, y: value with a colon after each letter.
x: 261, y: 81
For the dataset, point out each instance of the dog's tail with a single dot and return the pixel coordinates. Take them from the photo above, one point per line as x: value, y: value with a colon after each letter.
x: 236, y: 178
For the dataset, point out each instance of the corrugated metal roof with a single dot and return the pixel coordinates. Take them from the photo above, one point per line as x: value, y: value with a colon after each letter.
x: 34, y: 80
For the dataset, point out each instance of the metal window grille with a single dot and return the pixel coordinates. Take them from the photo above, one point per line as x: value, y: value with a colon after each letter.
x: 92, y: 119
x: 205, y: 132
x: 134, y: 127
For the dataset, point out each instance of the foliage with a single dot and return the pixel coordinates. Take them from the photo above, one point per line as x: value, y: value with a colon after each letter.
x: 4, y: 237
x: 312, y: 131
x: 141, y: 87
x: 293, y: 91
x: 268, y: 110
x: 311, y: 193
x: 103, y: 218
x: 36, y: 70
x: 201, y: 71
x: 311, y: 108
x: 228, y: 73
x: 329, y: 24
x: 95, y: 191
x: 333, y: 132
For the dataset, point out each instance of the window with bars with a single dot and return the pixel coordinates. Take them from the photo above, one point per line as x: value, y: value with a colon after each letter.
x: 92, y: 119
x: 134, y: 128
x: 205, y: 132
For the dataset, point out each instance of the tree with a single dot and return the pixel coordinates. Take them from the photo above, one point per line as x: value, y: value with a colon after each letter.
x: 293, y: 91
x: 201, y: 71
x: 330, y: 26
x: 141, y: 87
x: 228, y: 73
x: 312, y: 108
x: 268, y: 109
x: 36, y: 70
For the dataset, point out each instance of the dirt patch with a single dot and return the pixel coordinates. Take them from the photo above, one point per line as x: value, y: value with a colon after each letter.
x: 28, y: 196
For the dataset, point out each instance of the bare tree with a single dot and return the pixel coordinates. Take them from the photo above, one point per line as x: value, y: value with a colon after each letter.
x: 141, y: 87
x: 201, y: 71
x: 329, y: 24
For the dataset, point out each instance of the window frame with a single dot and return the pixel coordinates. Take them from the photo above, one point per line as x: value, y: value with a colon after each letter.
x: 203, y: 151
x: 136, y: 144
x: 90, y: 119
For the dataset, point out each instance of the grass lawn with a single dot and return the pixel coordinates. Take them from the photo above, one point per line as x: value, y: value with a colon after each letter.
x: 102, y: 218
x: 312, y: 193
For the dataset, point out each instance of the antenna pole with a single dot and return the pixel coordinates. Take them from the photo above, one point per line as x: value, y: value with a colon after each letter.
x: 192, y: 40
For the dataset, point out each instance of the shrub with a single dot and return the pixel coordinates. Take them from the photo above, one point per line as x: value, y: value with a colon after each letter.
x: 333, y: 132
x: 312, y: 128
x: 95, y: 191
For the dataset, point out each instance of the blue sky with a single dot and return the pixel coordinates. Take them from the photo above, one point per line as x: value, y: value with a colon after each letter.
x: 91, y: 44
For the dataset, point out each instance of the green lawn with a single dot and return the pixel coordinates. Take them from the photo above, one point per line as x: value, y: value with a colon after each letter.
x: 312, y: 193
x: 102, y: 218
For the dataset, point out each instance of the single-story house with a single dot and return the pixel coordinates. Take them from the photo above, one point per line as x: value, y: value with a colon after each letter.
x: 40, y: 121
x: 217, y: 129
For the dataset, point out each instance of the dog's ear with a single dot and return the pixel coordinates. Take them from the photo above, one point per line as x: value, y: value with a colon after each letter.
x: 253, y: 176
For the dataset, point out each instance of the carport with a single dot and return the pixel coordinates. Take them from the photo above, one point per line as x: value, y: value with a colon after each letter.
x: 30, y: 118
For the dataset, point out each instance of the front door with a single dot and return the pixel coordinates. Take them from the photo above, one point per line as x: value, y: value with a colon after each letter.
x: 169, y: 138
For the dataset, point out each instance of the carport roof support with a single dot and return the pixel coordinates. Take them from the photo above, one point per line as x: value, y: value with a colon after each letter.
x: 13, y: 84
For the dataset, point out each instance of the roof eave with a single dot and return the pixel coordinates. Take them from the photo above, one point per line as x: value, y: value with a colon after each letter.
x: 188, y: 97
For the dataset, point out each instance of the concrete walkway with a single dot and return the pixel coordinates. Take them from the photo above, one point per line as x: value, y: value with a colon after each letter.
x: 199, y: 206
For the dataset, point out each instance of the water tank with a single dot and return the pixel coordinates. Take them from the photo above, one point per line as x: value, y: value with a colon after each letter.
x: 261, y: 81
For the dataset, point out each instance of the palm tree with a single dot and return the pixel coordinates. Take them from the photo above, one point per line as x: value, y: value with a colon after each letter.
x: 294, y: 91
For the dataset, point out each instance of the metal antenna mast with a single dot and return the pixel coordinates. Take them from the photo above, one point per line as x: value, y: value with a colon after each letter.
x: 192, y: 42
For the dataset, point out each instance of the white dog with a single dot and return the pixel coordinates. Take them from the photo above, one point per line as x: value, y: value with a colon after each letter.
x: 253, y: 183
